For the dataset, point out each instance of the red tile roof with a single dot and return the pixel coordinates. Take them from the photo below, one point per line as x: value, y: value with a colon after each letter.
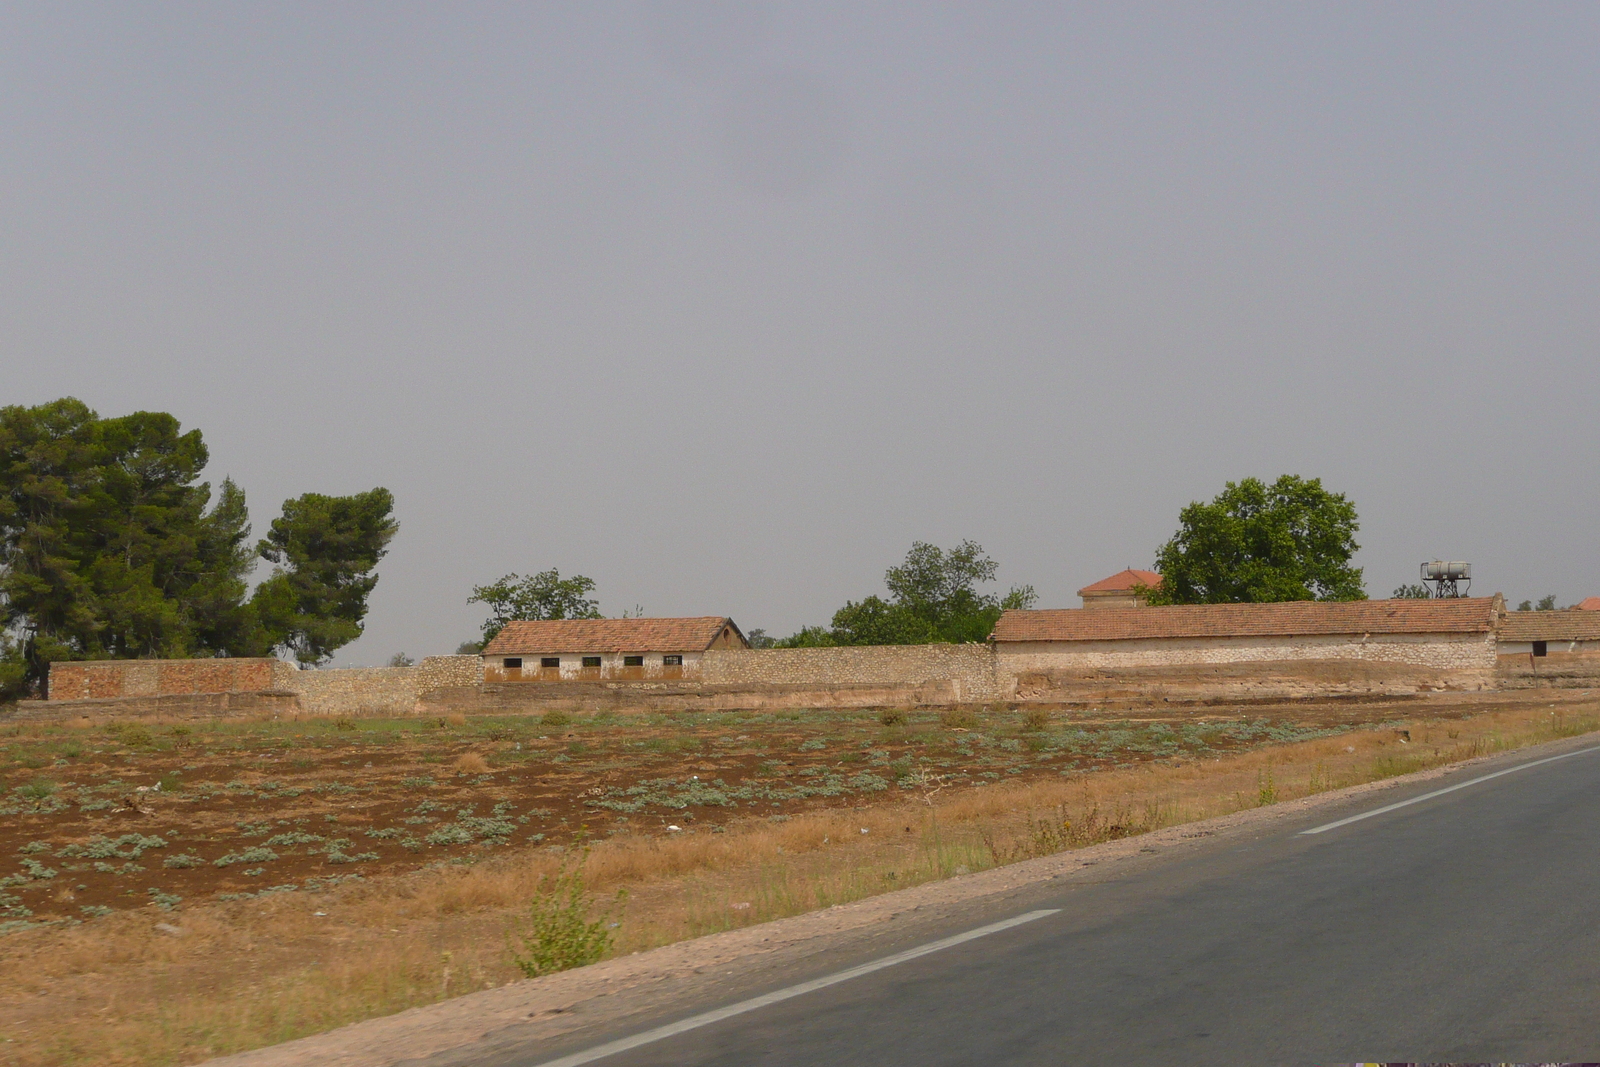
x: 1550, y: 626
x: 1122, y: 582
x: 609, y: 635
x: 1589, y: 604
x: 1463, y: 615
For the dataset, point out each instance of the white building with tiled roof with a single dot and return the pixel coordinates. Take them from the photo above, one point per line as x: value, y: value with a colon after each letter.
x: 591, y: 650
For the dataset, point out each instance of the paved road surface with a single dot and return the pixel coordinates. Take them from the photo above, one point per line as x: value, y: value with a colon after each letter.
x: 1465, y: 927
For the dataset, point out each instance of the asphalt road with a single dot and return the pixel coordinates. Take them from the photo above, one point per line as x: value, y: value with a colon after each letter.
x: 1465, y: 927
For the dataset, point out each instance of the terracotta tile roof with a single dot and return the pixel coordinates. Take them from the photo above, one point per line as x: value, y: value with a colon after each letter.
x: 1589, y: 604
x: 1550, y: 626
x: 1463, y: 615
x: 608, y: 635
x: 1122, y: 581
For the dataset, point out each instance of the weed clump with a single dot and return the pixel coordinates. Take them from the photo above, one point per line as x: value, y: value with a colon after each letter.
x: 1266, y: 789
x: 1035, y: 720
x: 554, y: 717
x: 893, y: 717
x: 472, y: 763
x: 957, y: 719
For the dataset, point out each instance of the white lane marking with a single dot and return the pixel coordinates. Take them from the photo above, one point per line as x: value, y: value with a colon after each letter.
x: 1442, y: 792
x: 694, y: 1022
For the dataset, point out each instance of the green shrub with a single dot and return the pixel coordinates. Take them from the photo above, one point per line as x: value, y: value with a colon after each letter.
x: 893, y: 717
x: 957, y: 719
x: 181, y: 862
x: 249, y: 855
x: 559, y: 935
x: 135, y: 737
x: 554, y: 717
x: 1036, y: 719
x: 38, y: 789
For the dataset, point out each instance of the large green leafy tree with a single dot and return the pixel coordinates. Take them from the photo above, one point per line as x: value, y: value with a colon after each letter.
x: 545, y: 595
x: 326, y: 548
x: 933, y: 596
x: 110, y: 546
x: 1291, y: 540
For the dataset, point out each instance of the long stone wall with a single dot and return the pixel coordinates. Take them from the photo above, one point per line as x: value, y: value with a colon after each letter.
x: 967, y: 670
x: 378, y: 690
x: 1202, y: 669
x: 343, y: 691
x: 106, y: 678
x: 1152, y: 670
x: 1471, y: 651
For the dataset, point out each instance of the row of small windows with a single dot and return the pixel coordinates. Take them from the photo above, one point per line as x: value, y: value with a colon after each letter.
x: 514, y: 663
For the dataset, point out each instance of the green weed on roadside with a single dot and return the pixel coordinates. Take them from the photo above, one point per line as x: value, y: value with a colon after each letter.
x: 558, y: 934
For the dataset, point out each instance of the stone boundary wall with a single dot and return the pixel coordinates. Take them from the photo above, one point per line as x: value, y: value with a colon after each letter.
x: 105, y: 678
x: 1577, y: 669
x: 967, y: 670
x: 377, y: 690
x: 338, y: 691
x: 1472, y: 651
x: 172, y: 706
x: 1249, y: 668
x: 536, y: 698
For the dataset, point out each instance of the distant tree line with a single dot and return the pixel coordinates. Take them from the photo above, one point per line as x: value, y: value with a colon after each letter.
x: 111, y: 547
x: 933, y: 597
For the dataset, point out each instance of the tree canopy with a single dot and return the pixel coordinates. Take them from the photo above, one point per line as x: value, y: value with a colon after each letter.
x: 1291, y: 540
x: 111, y: 547
x: 327, y: 548
x: 545, y: 595
x: 933, y: 597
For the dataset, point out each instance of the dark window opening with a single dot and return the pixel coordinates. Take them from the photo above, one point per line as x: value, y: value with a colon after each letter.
x: 1541, y: 648
x: 550, y: 661
x: 672, y: 661
x: 633, y: 661
x: 513, y: 663
x: 591, y: 661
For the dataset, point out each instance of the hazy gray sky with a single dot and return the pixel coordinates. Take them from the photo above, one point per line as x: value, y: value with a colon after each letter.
x: 723, y: 305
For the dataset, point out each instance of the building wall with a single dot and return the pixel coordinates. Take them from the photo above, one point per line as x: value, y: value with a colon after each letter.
x: 1552, y: 648
x: 968, y: 669
x: 1434, y: 651
x: 1112, y: 600
x: 572, y: 669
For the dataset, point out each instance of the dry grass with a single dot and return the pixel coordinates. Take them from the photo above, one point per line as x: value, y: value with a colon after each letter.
x: 472, y: 763
x: 254, y: 972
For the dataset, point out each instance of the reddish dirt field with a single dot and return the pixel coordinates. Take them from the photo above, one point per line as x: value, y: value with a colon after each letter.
x: 288, y: 806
